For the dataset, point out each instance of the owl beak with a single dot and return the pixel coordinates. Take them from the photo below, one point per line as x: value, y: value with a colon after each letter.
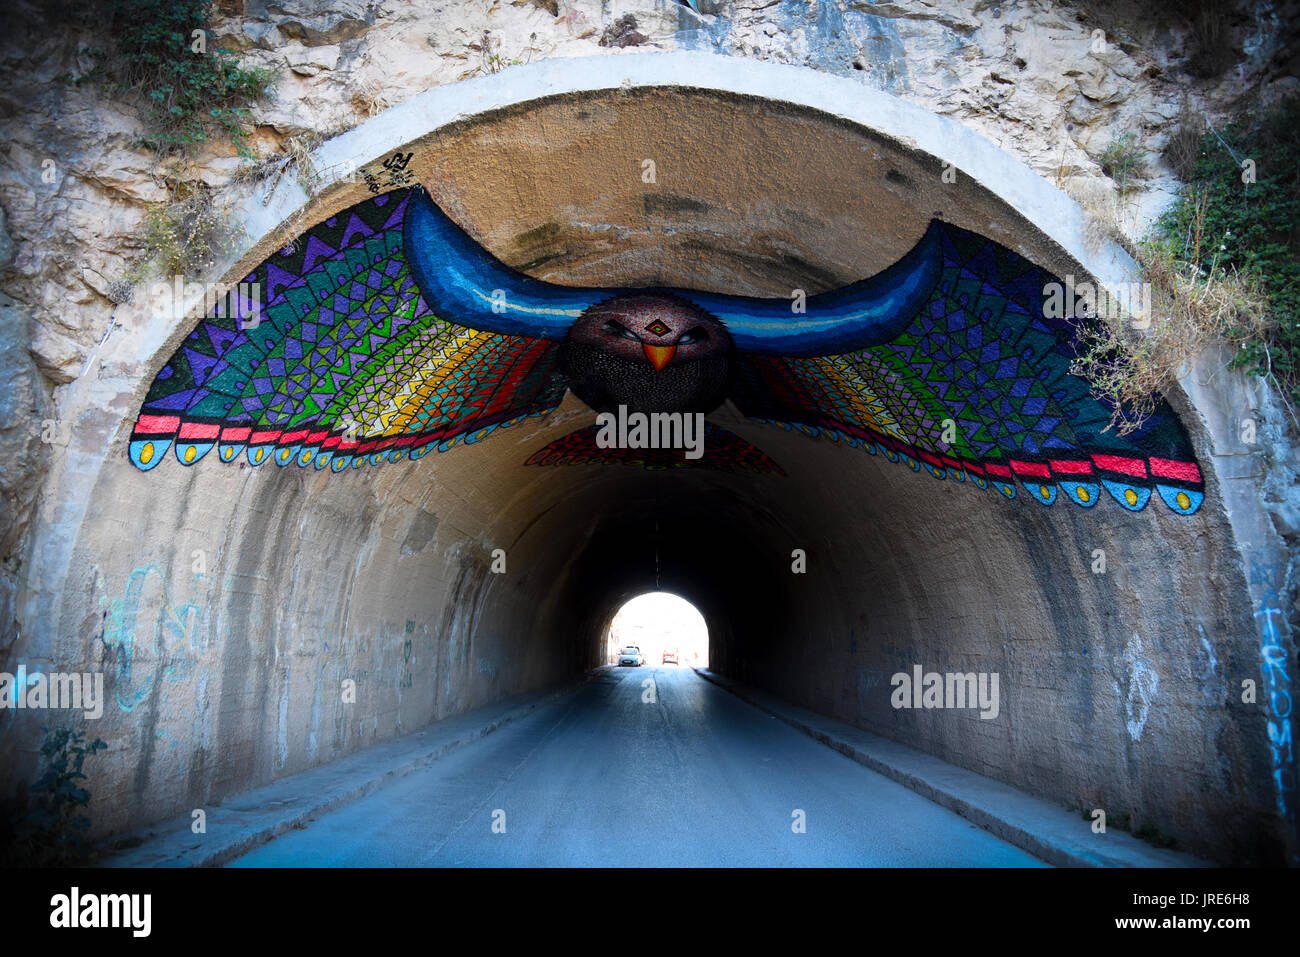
x: 659, y: 356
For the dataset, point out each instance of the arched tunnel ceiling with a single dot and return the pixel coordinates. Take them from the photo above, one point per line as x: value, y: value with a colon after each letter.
x: 356, y: 357
x: 750, y: 197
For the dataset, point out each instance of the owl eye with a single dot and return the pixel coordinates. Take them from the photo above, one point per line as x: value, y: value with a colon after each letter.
x: 696, y: 334
x: 618, y: 329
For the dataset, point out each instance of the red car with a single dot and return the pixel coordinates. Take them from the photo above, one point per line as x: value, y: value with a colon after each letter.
x: 670, y: 654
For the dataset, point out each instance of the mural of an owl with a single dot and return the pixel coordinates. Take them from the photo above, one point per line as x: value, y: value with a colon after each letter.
x: 386, y: 331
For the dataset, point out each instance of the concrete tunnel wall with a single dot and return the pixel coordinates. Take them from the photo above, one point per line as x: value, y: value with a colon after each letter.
x: 227, y: 604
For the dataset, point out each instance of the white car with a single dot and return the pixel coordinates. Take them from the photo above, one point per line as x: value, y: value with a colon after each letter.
x: 631, y: 655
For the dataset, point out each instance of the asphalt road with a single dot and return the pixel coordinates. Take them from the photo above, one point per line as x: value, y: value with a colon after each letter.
x: 695, y: 777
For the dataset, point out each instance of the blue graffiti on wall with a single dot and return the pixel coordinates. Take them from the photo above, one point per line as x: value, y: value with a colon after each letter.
x: 1277, y: 687
x: 147, y: 603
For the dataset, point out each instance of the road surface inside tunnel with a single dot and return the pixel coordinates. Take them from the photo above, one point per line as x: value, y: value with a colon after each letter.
x: 605, y: 777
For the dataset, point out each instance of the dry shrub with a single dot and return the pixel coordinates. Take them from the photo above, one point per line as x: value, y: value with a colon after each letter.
x: 1184, y: 146
x: 1194, y: 305
x: 187, y: 236
x: 370, y: 98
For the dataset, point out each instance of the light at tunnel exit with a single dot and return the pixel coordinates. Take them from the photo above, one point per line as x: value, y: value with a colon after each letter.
x: 659, y: 622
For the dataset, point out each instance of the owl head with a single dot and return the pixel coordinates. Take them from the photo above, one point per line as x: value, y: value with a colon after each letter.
x: 649, y: 351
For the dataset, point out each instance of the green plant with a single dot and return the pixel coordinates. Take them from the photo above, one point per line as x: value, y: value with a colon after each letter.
x: 158, y: 51
x: 1122, y: 162
x: 1240, y: 211
x: 1153, y: 835
x: 51, y: 831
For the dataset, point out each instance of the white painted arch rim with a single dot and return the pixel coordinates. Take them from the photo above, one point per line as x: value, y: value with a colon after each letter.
x: 1004, y: 176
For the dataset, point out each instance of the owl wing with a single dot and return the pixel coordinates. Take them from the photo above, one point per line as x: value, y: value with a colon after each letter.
x: 978, y: 386
x: 328, y: 355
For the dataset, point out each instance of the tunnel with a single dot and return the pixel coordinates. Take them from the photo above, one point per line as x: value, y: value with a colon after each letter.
x: 228, y: 602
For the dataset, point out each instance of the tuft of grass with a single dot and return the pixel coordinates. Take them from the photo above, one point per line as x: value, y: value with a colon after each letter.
x: 370, y: 98
x: 1153, y: 835
x: 1210, y: 45
x: 1222, y: 266
x: 1122, y: 161
x: 296, y: 155
x: 186, y: 236
x: 1101, y: 212
x: 1192, y: 306
x: 1184, y: 146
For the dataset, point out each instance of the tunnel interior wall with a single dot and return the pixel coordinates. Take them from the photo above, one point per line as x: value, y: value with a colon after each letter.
x: 229, y: 608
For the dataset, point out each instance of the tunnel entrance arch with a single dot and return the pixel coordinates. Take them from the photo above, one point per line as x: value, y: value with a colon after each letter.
x: 824, y: 556
x: 665, y: 627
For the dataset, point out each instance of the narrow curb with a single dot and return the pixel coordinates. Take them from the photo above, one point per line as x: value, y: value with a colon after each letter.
x: 243, y: 838
x: 1032, y: 824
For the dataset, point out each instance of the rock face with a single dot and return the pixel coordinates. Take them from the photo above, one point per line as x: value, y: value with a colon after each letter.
x: 312, y: 24
x: 28, y: 436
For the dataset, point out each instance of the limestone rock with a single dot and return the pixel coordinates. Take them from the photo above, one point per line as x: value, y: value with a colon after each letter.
x: 315, y: 22
x: 308, y: 61
x: 6, y: 244
x: 24, y: 409
x: 57, y: 355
